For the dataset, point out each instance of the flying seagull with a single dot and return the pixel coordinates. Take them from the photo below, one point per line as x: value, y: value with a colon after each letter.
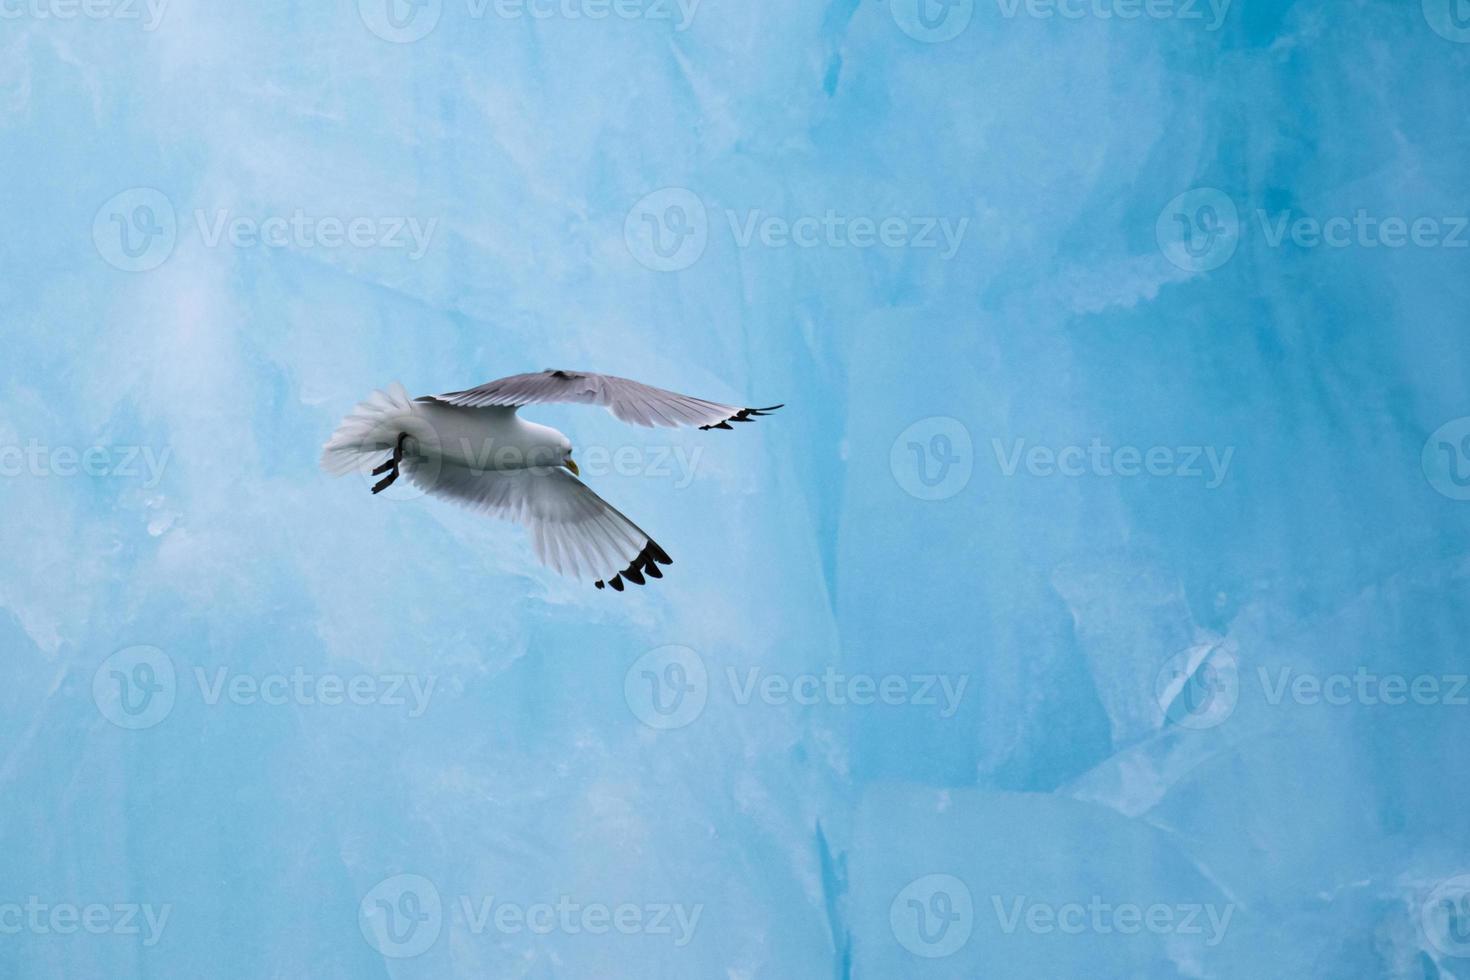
x: 472, y: 448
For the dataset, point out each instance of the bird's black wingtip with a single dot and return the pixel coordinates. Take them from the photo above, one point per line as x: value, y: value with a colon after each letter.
x: 744, y: 415
x: 642, y: 568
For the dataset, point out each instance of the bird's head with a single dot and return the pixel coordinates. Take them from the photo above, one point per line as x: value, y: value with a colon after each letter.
x: 566, y: 457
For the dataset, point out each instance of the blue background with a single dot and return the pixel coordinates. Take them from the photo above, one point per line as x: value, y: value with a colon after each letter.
x: 1074, y: 606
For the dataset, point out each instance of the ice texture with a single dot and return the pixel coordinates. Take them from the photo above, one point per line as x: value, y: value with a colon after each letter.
x: 1126, y: 727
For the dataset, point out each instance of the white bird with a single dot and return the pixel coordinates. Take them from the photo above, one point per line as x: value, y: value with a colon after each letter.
x: 471, y: 447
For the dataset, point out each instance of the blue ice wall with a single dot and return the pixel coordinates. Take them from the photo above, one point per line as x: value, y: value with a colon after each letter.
x: 1094, y: 609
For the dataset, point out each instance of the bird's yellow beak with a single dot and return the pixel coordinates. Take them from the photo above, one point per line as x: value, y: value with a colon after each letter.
x: 571, y: 464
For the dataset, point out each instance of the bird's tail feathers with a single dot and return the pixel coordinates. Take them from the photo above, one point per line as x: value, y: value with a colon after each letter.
x: 371, y: 429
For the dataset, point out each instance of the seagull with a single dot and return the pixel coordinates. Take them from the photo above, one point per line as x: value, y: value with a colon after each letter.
x: 471, y: 447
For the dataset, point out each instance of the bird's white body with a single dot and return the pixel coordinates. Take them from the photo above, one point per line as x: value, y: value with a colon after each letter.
x: 485, y: 439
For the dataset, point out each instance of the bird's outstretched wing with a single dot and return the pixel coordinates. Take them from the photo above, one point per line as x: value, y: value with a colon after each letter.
x: 573, y: 530
x: 630, y: 401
